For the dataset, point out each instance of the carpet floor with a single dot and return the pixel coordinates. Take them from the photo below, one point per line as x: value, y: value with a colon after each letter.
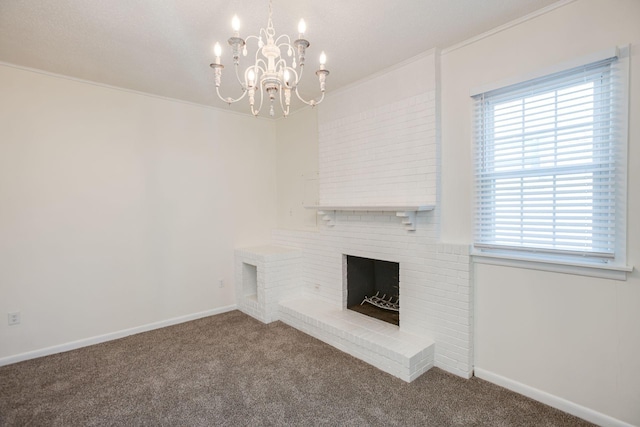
x: 231, y: 370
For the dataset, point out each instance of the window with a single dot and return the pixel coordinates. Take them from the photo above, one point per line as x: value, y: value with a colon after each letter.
x: 550, y: 166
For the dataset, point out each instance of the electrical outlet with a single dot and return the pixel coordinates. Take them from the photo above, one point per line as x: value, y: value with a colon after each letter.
x: 221, y: 283
x: 14, y: 318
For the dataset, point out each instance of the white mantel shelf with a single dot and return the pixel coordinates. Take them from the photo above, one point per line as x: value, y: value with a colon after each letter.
x: 375, y: 208
x: 407, y: 213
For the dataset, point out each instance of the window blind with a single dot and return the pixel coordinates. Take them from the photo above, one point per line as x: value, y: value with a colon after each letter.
x: 545, y: 164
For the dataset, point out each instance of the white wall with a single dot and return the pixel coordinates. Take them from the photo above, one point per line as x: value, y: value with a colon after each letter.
x: 574, y: 337
x: 297, y: 164
x: 119, y: 209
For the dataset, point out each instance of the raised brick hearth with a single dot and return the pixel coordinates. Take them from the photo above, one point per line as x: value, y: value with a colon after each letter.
x: 301, y: 282
x: 435, y: 287
x: 402, y: 354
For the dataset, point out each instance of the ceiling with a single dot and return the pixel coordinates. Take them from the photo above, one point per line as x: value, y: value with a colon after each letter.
x: 164, y: 47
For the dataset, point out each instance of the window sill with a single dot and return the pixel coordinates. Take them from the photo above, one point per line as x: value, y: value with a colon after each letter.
x: 613, y: 272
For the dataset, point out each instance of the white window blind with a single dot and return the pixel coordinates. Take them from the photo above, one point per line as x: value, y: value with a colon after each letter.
x: 545, y: 164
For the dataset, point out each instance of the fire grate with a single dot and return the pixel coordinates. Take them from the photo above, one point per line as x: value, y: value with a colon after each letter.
x: 382, y: 302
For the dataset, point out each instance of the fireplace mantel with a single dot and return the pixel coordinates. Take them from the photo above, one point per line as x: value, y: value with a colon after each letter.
x: 408, y: 213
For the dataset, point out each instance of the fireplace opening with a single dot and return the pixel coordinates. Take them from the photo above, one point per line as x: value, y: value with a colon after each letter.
x: 373, y: 288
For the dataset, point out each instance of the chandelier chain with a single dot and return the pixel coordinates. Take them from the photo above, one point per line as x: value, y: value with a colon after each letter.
x: 270, y: 30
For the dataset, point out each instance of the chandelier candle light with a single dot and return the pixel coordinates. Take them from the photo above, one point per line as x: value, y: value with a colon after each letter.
x: 270, y: 71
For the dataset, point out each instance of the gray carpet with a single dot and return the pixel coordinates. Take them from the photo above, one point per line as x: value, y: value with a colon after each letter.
x: 232, y: 370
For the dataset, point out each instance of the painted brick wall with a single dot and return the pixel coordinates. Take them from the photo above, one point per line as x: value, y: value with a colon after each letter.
x: 435, y: 290
x: 384, y: 155
x: 387, y: 153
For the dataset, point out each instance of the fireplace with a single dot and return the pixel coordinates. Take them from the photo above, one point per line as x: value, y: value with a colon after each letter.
x: 373, y: 288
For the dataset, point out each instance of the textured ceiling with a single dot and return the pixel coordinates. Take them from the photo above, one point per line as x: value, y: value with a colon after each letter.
x: 163, y: 47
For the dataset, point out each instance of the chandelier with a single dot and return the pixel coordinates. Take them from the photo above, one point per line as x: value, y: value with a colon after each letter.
x: 270, y: 71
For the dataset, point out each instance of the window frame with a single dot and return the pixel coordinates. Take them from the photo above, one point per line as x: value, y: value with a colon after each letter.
x: 615, y: 268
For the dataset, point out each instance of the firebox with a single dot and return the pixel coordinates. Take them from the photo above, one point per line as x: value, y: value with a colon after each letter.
x: 373, y: 288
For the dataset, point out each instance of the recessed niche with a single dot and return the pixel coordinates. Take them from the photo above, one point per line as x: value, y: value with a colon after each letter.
x: 249, y: 279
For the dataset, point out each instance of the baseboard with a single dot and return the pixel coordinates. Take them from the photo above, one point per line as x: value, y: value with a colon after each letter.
x: 457, y: 372
x: 112, y: 336
x: 551, y: 400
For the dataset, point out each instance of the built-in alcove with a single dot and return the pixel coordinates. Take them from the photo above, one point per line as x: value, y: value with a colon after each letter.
x: 249, y: 280
x: 371, y: 278
x: 264, y: 276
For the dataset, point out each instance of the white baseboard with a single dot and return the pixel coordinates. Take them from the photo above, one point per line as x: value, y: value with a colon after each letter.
x: 551, y: 400
x: 464, y: 374
x: 112, y: 336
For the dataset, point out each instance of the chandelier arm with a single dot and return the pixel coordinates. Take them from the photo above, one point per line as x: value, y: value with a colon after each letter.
x: 288, y: 47
x: 230, y: 100
x: 257, y: 57
x: 262, y: 69
x: 300, y: 75
x: 242, y: 85
x: 251, y: 37
x: 256, y: 112
x: 281, y: 63
x: 261, y: 99
x: 259, y: 71
x: 313, y: 102
x: 286, y: 36
x: 285, y: 112
x: 281, y: 45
